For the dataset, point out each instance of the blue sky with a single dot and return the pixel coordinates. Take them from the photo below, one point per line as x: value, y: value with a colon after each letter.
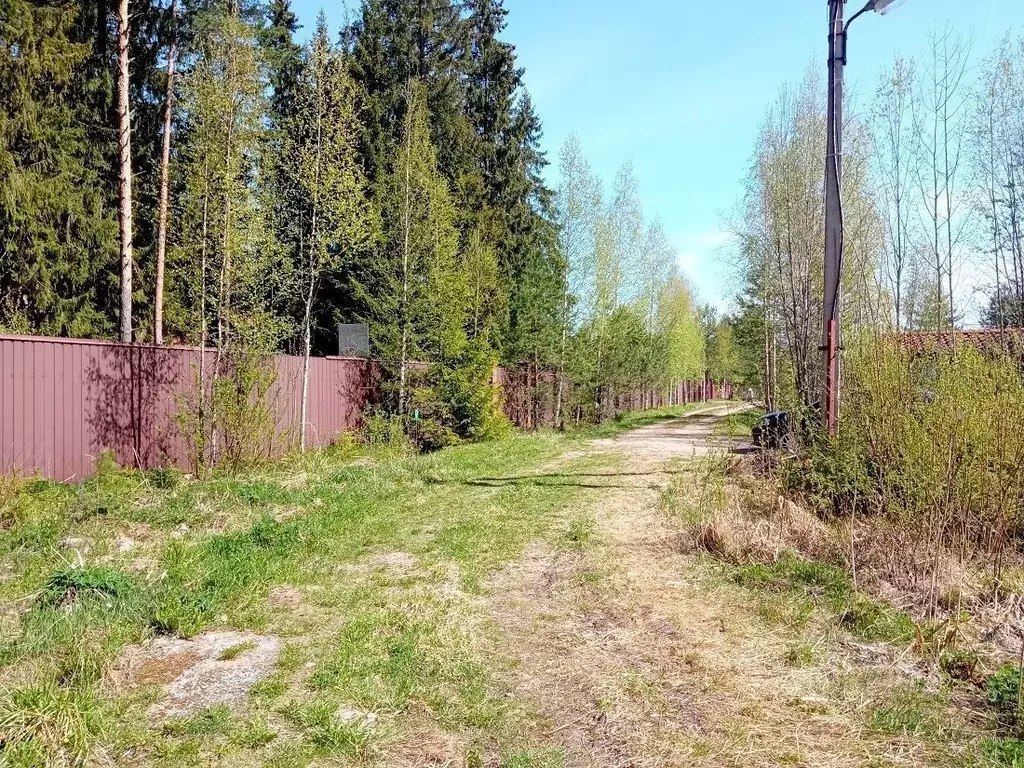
x: 679, y: 88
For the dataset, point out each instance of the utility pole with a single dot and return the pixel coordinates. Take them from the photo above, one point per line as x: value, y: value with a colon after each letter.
x: 837, y: 33
x: 833, y: 212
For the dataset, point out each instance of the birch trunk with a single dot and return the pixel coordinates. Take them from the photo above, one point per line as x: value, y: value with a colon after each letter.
x: 203, y: 409
x: 305, y: 365
x: 313, y: 269
x: 561, y: 365
x: 124, y: 135
x: 405, y: 258
x: 165, y: 162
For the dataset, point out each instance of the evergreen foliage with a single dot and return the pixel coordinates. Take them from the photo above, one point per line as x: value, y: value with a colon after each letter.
x: 58, y: 231
x: 394, y: 178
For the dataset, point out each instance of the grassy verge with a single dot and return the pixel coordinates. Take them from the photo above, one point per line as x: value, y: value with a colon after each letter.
x: 381, y: 554
x: 865, y: 661
x: 739, y: 424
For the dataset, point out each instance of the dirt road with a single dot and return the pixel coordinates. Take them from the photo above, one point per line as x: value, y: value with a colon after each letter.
x: 608, y: 645
x: 639, y: 657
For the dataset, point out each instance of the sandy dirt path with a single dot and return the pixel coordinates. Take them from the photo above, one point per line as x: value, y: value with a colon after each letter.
x: 640, y: 659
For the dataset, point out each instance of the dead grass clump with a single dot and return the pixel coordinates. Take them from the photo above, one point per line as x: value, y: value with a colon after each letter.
x: 893, y: 561
x: 745, y: 531
x: 732, y: 536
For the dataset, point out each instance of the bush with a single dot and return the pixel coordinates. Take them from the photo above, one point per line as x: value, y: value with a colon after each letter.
x: 833, y: 474
x: 460, y: 396
x: 382, y: 430
x: 931, y: 440
x: 428, y: 435
x: 165, y: 478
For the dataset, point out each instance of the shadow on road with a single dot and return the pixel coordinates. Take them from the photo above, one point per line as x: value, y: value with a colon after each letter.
x: 575, y: 479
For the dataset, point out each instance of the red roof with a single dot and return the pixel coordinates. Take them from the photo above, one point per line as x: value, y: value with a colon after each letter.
x: 994, y: 339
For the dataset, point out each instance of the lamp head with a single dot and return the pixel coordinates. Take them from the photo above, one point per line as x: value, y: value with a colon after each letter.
x: 884, y: 6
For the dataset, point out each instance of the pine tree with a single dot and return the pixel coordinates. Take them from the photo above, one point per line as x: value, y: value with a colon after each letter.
x: 124, y: 187
x: 165, y: 173
x: 96, y: 111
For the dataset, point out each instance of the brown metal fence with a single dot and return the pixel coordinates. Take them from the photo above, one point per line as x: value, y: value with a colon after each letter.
x: 65, y: 401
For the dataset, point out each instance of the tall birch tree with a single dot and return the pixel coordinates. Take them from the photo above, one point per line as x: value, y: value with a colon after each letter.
x: 328, y: 192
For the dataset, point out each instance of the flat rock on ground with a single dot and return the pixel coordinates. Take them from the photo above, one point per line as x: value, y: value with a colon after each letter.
x: 192, y: 673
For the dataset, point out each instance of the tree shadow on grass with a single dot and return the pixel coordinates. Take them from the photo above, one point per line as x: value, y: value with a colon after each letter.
x: 573, y: 479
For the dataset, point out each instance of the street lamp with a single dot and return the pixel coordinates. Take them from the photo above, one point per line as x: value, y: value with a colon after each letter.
x: 837, y: 32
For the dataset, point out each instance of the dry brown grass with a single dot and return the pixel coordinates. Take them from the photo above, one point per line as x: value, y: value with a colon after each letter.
x: 756, y: 523
x: 733, y: 534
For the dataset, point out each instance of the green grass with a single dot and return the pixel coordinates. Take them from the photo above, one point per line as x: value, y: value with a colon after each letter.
x: 236, y: 650
x: 911, y: 711
x: 206, y: 553
x: 863, y: 616
x: 739, y: 424
x: 216, y: 719
x: 999, y: 753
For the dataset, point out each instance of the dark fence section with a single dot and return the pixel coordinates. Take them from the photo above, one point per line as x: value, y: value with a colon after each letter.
x: 65, y: 401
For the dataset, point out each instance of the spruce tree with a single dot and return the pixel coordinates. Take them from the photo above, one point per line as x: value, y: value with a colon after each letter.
x: 282, y: 57
x: 392, y: 42
x: 492, y: 83
x: 58, y: 234
x: 526, y: 206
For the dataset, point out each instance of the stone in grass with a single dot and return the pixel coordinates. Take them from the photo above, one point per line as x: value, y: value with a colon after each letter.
x: 350, y: 716
x: 194, y: 674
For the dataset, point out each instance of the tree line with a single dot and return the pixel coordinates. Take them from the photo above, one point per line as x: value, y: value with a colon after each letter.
x: 185, y: 171
x: 931, y: 210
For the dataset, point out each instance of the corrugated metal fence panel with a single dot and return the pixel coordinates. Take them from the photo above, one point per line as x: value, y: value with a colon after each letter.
x: 65, y: 401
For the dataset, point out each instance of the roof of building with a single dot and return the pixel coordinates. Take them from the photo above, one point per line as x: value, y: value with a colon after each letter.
x: 985, y: 339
